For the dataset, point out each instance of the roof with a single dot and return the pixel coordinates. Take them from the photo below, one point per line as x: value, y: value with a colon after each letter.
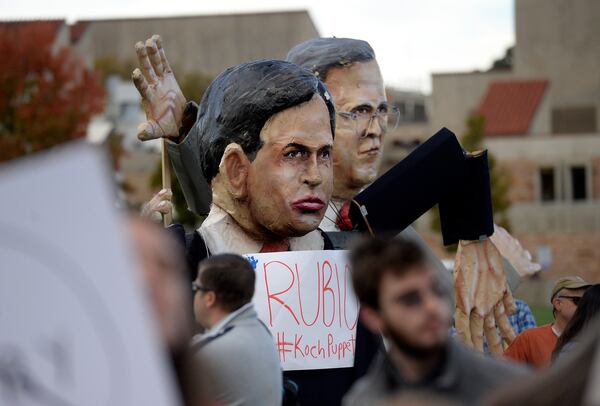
x: 510, y: 106
x: 77, y: 30
x: 20, y: 25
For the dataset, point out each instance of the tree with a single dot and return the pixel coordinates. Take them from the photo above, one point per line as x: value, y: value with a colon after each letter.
x: 108, y: 65
x: 47, y: 96
x: 506, y: 61
x: 472, y: 141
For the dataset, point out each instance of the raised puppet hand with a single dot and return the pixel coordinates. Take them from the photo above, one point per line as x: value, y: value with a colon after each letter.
x: 158, y: 205
x: 513, y: 251
x: 483, y: 297
x: 162, y: 98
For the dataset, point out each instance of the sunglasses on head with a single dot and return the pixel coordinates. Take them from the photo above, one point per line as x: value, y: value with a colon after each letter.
x: 574, y: 299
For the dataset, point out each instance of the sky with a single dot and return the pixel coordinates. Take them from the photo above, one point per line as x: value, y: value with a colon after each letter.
x: 411, y: 38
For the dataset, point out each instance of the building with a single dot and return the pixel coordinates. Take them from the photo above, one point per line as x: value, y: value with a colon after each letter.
x: 207, y: 43
x: 541, y: 123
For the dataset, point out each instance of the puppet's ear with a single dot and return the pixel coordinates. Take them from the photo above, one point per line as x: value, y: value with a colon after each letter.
x: 234, y: 169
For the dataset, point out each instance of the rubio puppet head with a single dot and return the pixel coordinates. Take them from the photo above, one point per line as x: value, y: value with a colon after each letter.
x: 265, y: 135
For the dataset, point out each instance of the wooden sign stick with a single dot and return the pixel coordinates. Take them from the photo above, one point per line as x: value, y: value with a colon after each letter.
x: 166, y: 177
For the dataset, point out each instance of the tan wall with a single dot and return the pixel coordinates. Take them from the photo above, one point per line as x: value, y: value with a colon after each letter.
x: 560, y: 40
x: 596, y: 178
x: 455, y: 95
x: 522, y: 173
x: 206, y: 44
x: 572, y: 254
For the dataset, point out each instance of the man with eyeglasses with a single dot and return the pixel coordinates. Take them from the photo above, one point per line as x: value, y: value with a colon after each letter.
x: 402, y: 297
x: 236, y: 356
x: 535, y: 346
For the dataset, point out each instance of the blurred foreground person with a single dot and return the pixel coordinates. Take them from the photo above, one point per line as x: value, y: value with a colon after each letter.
x: 575, y: 380
x: 402, y: 297
x: 535, y: 345
x: 164, y: 273
x: 236, y: 354
x: 587, y: 310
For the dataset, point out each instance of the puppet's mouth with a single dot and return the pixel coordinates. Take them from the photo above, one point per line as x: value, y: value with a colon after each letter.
x: 308, y: 203
x: 370, y: 151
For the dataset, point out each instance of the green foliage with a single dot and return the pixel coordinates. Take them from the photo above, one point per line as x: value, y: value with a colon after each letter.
x: 473, y: 141
x: 542, y: 314
x: 109, y: 65
x: 506, y: 61
x: 47, y: 96
x: 193, y: 85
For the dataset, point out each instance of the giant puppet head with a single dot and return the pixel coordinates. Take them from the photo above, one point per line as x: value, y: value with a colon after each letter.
x: 264, y: 133
x: 349, y: 69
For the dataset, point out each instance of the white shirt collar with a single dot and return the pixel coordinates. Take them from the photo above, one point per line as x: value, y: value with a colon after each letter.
x: 221, y: 233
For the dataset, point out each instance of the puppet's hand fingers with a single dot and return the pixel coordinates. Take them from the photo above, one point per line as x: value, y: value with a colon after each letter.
x: 477, y: 330
x: 149, y: 130
x: 509, y: 302
x: 145, y: 64
x: 463, y: 327
x: 492, y: 337
x: 159, y: 204
x: 162, y: 98
x: 506, y: 330
x: 161, y: 53
x: 154, y: 56
x: 141, y: 84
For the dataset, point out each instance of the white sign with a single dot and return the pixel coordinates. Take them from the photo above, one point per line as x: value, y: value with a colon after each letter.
x: 307, y: 301
x: 74, y: 328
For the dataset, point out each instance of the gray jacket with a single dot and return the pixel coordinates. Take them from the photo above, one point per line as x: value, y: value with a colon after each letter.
x: 465, y: 377
x: 238, y: 361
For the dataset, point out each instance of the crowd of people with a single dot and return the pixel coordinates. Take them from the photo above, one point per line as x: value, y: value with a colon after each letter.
x: 233, y: 361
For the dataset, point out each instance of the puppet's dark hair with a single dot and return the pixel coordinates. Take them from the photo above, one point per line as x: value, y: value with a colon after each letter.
x: 321, y: 54
x: 238, y: 103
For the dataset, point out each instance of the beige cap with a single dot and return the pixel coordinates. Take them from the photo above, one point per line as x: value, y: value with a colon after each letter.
x: 568, y: 282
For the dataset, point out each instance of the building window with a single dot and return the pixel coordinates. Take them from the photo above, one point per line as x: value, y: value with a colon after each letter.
x: 574, y: 120
x: 578, y: 183
x: 419, y: 113
x: 402, y: 109
x: 547, y: 189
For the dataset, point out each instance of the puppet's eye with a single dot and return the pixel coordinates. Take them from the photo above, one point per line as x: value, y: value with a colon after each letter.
x: 362, y: 110
x: 325, y: 154
x: 383, y: 109
x: 294, y: 154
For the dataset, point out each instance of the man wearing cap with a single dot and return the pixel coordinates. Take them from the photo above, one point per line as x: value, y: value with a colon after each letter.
x: 535, y: 346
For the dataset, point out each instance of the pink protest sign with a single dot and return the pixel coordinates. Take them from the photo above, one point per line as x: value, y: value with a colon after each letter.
x: 307, y: 301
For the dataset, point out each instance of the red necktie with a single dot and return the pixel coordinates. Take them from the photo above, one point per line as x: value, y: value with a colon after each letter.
x: 275, y: 246
x: 343, y: 220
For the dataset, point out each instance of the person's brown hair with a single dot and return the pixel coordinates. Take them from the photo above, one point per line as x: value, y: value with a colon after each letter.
x: 230, y: 277
x: 371, y: 258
